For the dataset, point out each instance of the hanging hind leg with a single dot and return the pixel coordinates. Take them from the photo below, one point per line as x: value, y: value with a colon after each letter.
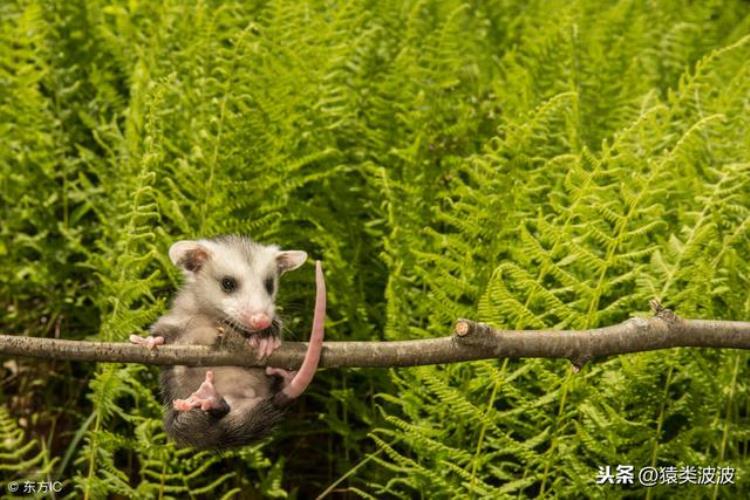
x: 195, y: 421
x: 207, y: 420
x: 206, y: 398
x: 248, y: 421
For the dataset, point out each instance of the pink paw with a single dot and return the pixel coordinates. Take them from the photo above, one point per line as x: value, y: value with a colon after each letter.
x: 182, y: 405
x: 264, y: 346
x: 206, y: 398
x: 150, y: 342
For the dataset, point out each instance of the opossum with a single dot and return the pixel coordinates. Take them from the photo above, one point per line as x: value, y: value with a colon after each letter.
x: 228, y: 299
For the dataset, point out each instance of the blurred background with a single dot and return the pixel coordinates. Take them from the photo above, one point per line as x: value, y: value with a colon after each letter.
x: 527, y: 164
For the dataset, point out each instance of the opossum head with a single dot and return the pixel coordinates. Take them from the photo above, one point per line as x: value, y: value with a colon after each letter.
x: 234, y: 278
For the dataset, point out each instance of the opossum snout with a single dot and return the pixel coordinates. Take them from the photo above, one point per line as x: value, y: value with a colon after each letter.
x: 259, y: 321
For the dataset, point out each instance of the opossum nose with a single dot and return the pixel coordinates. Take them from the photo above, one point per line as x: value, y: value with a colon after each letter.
x: 260, y: 321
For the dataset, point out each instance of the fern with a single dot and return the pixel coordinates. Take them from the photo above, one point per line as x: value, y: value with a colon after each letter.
x: 577, y: 230
x: 531, y: 165
x: 21, y: 459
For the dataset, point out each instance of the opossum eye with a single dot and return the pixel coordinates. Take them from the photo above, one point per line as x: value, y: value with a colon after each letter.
x: 269, y: 285
x: 228, y: 284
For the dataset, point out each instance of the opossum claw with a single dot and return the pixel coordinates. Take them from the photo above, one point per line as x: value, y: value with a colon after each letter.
x: 263, y: 346
x: 151, y: 342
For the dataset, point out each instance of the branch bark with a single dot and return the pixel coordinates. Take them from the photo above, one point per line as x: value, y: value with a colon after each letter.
x: 470, y: 341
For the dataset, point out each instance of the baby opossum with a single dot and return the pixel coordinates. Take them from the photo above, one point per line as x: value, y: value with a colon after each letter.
x: 228, y: 299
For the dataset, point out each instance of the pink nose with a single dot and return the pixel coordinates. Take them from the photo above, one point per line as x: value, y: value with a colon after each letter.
x: 260, y: 321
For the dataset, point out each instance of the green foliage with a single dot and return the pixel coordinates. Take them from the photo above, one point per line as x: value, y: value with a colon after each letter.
x: 542, y: 164
x: 21, y: 459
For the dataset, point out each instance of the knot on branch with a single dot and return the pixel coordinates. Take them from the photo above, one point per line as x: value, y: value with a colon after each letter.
x: 464, y: 327
x: 467, y: 328
x: 662, y: 312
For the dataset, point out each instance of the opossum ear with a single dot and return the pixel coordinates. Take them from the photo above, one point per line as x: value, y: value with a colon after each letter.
x: 289, y: 260
x: 189, y: 255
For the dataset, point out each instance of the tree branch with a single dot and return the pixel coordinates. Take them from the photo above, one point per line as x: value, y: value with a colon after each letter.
x: 470, y: 341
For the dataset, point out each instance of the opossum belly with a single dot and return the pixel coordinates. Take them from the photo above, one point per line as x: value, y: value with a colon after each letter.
x: 236, y: 383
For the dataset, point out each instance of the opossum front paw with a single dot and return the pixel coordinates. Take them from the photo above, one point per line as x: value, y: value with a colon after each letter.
x: 150, y: 342
x: 206, y: 398
x: 264, y: 346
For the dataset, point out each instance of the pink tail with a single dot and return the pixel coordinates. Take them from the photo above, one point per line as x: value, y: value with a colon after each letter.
x: 306, y: 372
